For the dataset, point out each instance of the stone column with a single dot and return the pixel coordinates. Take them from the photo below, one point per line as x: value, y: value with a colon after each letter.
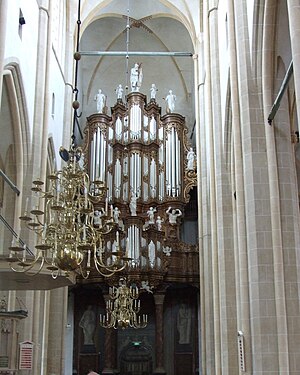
x: 56, y: 331
x: 109, y: 349
x: 41, y: 104
x: 241, y: 263
x: 36, y: 331
x: 294, y: 21
x: 108, y: 352
x: 275, y: 159
x: 159, y: 333
x: 214, y: 195
x: 3, y: 21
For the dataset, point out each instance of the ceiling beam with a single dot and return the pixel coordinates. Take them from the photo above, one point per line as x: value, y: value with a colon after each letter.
x: 135, y: 53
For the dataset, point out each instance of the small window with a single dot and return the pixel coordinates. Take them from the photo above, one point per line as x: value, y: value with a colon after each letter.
x: 53, y: 105
x: 21, y: 23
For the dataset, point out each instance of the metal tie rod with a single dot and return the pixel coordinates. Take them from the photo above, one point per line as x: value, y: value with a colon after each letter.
x: 10, y: 183
x: 134, y: 53
x: 280, y: 94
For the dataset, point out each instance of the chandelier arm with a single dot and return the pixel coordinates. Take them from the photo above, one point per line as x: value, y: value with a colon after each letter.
x: 40, y: 268
x: 16, y: 270
x: 111, y: 268
x: 51, y: 260
x: 109, y: 272
x: 110, y: 225
x: 85, y: 276
x: 18, y: 258
x: 39, y: 221
x: 36, y: 258
x: 27, y: 268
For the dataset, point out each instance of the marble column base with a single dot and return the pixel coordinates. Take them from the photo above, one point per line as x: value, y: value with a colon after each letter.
x: 159, y: 371
x: 108, y: 371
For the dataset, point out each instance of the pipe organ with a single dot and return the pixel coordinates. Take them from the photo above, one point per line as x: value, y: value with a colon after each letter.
x: 141, y: 157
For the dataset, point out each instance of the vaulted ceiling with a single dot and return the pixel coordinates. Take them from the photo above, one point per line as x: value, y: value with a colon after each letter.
x: 155, y: 26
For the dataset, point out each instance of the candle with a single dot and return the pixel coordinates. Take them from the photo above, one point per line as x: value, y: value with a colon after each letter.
x: 89, y: 258
x: 44, y: 232
x: 24, y: 253
x: 106, y: 206
x: 85, y: 197
x: 84, y: 232
x: 26, y: 204
x: 58, y: 190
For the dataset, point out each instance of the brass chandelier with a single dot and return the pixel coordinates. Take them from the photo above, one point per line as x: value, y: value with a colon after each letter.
x: 123, y: 307
x: 69, y: 234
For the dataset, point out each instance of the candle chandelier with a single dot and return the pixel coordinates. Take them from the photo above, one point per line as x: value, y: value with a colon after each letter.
x: 68, y: 230
x: 123, y: 307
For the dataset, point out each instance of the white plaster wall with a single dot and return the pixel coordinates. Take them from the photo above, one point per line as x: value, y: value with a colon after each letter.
x: 56, y: 123
x: 250, y: 15
x: 223, y: 57
x: 23, y: 50
x: 69, y: 336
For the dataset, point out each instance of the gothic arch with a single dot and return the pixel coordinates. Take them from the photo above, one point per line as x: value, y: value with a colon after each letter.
x: 90, y: 12
x: 18, y: 110
x: 16, y: 158
x: 153, y: 26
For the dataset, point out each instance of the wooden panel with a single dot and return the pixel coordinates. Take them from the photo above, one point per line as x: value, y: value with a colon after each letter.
x: 88, y: 362
x: 183, y: 364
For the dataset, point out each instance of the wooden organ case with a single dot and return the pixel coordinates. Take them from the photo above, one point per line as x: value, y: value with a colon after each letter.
x: 141, y: 157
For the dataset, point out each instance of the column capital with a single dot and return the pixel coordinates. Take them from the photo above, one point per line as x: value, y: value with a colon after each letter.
x: 159, y: 298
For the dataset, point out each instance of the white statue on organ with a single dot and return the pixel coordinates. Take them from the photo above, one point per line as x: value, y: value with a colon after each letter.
x: 119, y: 92
x: 159, y: 222
x: 190, y: 159
x: 153, y: 91
x: 133, y: 204
x: 100, y: 98
x: 150, y: 213
x: 136, y: 77
x: 173, y: 214
x: 97, y: 219
x: 170, y: 101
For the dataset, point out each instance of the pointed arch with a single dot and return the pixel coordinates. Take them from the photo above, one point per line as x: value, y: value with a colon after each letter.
x: 19, y: 118
x: 15, y: 156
